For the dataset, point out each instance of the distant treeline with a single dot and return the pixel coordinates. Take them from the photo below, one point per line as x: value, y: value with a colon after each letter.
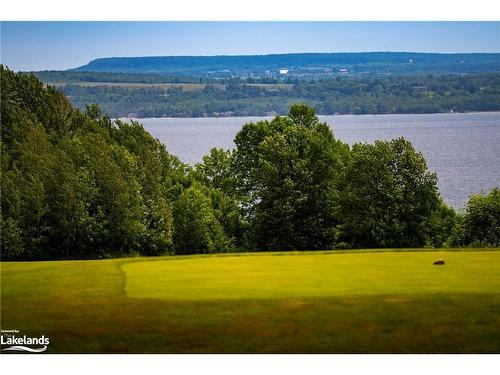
x: 75, y: 184
x: 69, y: 76
x: 418, y: 94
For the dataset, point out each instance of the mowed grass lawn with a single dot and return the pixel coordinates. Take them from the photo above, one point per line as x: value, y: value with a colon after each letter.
x: 332, y: 302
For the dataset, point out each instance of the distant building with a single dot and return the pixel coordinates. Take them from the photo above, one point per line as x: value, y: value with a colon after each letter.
x: 343, y: 71
x: 283, y: 71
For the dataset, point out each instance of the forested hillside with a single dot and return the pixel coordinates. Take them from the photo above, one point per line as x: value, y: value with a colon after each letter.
x: 302, y: 63
x: 74, y: 184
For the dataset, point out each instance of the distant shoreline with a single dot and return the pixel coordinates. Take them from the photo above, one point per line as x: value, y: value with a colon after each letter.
x: 319, y: 115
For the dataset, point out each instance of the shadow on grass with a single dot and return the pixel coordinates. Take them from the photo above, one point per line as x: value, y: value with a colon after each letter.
x: 461, y: 323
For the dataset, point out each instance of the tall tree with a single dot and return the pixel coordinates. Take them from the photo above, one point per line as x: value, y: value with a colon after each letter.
x: 289, y: 169
x: 388, y: 196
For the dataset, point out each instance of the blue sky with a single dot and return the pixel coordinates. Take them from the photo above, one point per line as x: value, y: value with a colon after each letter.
x: 63, y: 45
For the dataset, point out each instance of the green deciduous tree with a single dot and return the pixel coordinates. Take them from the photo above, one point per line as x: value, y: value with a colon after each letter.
x: 479, y: 225
x: 197, y: 230
x: 289, y: 169
x: 387, y: 196
x: 216, y: 170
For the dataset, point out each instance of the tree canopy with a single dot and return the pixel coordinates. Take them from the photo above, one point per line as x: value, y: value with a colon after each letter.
x: 328, y: 96
x: 75, y: 184
x: 289, y: 169
x: 388, y: 196
x: 479, y: 225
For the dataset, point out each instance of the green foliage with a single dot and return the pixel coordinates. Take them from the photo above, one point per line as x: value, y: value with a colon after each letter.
x: 303, y: 115
x: 216, y: 173
x: 216, y: 170
x: 479, y: 225
x: 289, y: 169
x: 78, y: 185
x: 388, y: 196
x: 197, y: 230
x: 361, y: 95
x: 68, y: 76
x: 11, y: 239
x: 441, y: 225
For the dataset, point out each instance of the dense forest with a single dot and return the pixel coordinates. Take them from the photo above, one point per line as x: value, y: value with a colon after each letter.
x: 71, y: 76
x: 251, y: 97
x: 302, y: 64
x: 75, y: 184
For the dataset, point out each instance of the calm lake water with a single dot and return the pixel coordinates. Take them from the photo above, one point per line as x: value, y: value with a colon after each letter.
x: 463, y: 149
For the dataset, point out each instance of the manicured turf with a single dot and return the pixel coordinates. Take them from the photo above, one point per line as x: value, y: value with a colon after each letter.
x: 271, y: 276
x: 366, y: 302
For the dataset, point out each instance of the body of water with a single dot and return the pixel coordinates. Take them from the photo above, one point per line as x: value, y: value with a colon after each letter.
x: 463, y: 149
